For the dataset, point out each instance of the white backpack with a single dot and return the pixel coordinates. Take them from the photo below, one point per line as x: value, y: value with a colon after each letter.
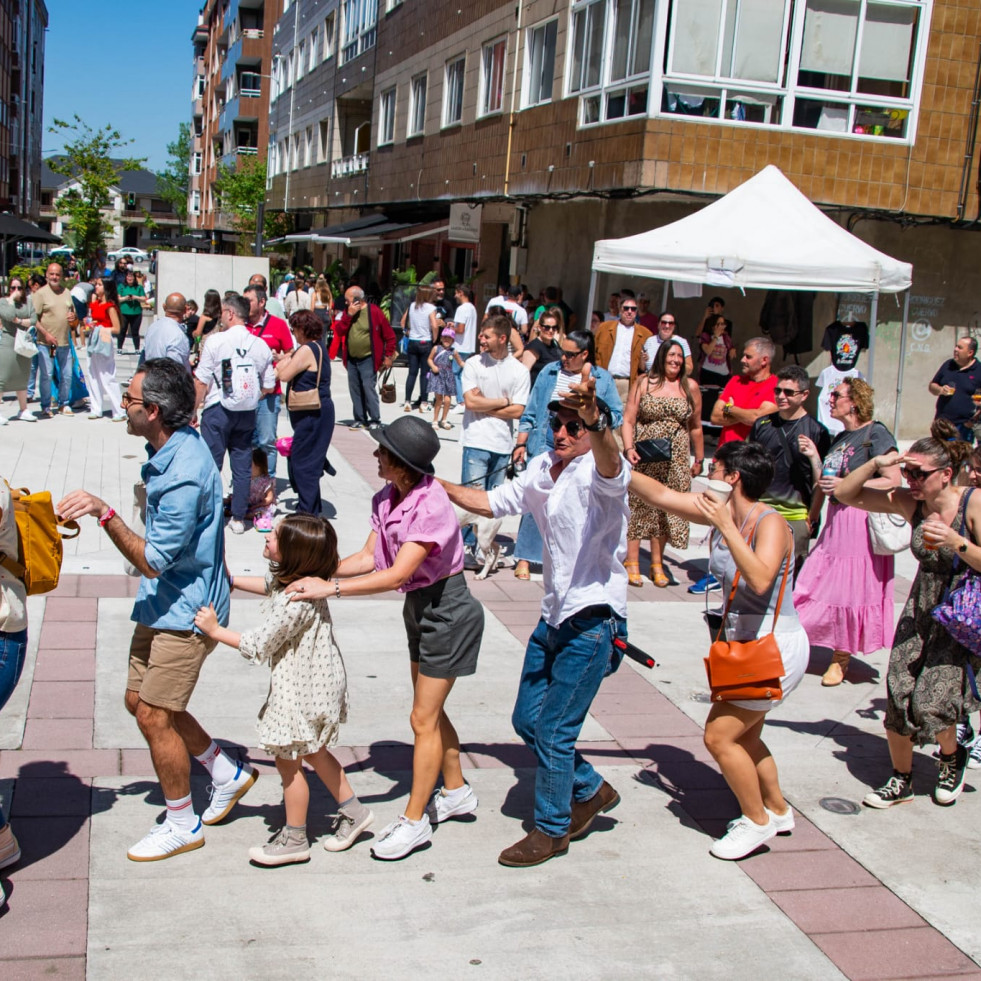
x: 239, y: 383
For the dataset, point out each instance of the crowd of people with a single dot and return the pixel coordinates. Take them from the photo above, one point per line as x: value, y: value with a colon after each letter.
x: 602, y: 431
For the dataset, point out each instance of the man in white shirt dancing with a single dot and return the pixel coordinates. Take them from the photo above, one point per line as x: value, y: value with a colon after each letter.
x: 577, y: 494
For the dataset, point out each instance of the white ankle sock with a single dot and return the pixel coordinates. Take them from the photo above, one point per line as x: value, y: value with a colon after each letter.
x: 456, y: 794
x: 180, y: 813
x: 218, y: 763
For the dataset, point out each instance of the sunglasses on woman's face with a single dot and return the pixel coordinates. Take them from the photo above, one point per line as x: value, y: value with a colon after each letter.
x: 917, y: 475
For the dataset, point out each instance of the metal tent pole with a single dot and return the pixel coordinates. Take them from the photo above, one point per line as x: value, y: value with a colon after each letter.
x: 592, y: 297
x: 902, y: 362
x: 873, y: 318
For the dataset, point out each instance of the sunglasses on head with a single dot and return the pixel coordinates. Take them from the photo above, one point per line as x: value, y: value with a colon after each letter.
x: 573, y: 427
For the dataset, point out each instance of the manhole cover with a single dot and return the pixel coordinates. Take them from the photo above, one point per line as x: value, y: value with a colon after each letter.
x: 701, y: 696
x: 838, y: 805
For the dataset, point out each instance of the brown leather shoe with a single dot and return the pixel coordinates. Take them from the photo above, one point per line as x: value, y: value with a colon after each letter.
x: 585, y: 811
x: 533, y: 849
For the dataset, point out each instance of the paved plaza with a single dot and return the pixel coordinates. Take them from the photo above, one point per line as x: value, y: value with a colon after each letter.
x: 852, y: 893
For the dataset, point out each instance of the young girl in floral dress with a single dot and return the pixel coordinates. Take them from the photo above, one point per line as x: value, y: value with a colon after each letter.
x: 307, y: 698
x: 441, y: 379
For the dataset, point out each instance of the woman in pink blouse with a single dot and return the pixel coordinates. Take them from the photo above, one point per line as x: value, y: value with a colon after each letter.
x: 415, y: 548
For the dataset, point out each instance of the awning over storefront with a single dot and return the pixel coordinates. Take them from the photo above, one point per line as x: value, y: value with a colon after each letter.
x: 368, y: 230
x: 24, y: 231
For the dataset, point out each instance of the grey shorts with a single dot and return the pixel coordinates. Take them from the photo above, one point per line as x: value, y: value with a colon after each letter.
x: 444, y: 625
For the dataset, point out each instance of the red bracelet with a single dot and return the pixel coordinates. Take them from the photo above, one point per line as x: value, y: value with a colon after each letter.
x: 107, y: 517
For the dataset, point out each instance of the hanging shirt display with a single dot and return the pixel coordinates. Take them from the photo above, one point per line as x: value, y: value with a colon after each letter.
x: 845, y: 342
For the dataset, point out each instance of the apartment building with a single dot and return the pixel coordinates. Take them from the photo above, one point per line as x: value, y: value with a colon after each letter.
x: 503, y: 139
x: 232, y: 45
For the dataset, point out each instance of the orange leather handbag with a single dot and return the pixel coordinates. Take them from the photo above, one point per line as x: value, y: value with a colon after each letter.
x: 743, y: 670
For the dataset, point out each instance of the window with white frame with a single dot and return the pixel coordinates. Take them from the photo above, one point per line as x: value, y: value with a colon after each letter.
x: 199, y: 87
x: 839, y: 66
x: 417, y: 106
x: 453, y: 91
x: 301, y: 52
x: 196, y: 163
x: 539, y: 63
x: 493, y: 57
x: 308, y: 149
x: 358, y: 26
x: 324, y: 139
x: 195, y: 202
x: 386, y: 117
x: 314, y: 49
x: 329, y: 37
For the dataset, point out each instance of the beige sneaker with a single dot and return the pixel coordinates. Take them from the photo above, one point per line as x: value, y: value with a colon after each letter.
x: 9, y: 849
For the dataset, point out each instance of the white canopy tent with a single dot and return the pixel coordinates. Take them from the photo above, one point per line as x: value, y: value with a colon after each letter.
x: 764, y: 234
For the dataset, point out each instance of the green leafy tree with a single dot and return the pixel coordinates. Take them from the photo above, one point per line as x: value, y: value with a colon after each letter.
x: 175, y: 177
x: 240, y: 192
x: 93, y: 159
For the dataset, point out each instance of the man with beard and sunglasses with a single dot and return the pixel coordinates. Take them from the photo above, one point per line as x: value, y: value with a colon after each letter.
x: 577, y: 494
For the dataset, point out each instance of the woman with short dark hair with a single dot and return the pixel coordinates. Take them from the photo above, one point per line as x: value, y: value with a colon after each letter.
x: 307, y: 369
x: 415, y: 547
x: 752, y: 556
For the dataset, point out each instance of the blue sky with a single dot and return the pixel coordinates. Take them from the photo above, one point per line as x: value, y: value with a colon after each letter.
x: 127, y: 65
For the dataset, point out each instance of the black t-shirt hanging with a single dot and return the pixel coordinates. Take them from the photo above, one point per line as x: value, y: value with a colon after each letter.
x: 845, y: 342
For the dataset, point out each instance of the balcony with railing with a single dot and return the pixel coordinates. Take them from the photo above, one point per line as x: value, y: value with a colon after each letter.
x: 356, y: 163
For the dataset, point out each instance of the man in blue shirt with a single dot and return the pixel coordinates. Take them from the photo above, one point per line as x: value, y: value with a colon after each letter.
x: 166, y: 338
x: 181, y: 561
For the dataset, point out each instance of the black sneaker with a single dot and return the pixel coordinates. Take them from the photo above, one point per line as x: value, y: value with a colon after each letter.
x: 950, y: 779
x: 898, y: 789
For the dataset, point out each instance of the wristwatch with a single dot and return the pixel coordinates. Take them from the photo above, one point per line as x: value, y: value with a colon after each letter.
x: 601, y: 424
x: 963, y: 546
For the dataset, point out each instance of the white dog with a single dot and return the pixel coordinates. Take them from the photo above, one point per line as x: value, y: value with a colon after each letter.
x: 486, y: 530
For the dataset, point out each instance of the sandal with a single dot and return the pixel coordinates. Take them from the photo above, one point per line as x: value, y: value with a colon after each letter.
x: 522, y: 571
x: 658, y: 576
x: 634, y: 578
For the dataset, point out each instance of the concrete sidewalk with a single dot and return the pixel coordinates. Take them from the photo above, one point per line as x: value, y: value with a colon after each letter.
x: 852, y: 893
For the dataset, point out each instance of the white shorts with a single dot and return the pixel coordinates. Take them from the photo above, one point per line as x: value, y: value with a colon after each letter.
x: 795, y: 651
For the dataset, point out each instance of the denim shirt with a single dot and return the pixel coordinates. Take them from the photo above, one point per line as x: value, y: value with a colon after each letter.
x: 534, y: 420
x: 185, y: 536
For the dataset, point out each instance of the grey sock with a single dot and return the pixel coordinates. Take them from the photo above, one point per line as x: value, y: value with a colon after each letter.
x: 297, y: 832
x: 353, y: 808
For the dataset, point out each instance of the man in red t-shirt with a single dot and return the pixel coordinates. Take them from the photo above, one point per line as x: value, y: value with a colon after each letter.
x: 749, y: 396
x: 276, y: 333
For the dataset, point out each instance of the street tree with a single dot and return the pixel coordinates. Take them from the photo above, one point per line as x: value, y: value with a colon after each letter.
x: 241, y: 191
x: 174, y: 179
x: 93, y: 160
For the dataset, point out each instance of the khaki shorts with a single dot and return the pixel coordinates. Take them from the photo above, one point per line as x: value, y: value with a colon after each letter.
x: 164, y: 665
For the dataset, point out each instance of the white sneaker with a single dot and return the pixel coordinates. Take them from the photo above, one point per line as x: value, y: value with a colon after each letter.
x: 742, y: 838
x: 95, y: 415
x: 236, y: 527
x: 120, y: 418
x: 442, y: 807
x: 165, y: 841
x: 26, y: 416
x: 227, y: 795
x: 784, y: 822
x: 401, y: 838
x: 458, y: 409
x: 3, y: 420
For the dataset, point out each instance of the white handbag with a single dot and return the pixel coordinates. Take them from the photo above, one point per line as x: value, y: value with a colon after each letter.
x: 23, y: 345
x: 889, y: 533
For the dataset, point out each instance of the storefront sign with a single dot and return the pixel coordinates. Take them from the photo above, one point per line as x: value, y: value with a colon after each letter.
x: 464, y: 223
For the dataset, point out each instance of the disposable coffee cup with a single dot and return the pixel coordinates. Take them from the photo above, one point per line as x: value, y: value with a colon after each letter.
x: 718, y: 490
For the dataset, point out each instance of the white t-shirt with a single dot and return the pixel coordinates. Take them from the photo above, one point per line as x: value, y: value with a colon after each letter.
x: 517, y: 311
x: 652, y: 344
x: 466, y: 316
x: 827, y: 380
x: 507, y: 378
x: 620, y: 358
x: 420, y: 329
x: 235, y: 342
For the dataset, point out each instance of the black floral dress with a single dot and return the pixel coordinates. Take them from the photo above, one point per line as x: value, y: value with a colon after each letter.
x: 928, y: 687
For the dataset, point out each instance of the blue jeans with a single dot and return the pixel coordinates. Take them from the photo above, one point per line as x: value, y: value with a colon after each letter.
x: 223, y: 430
x: 418, y: 357
x: 45, y: 364
x: 458, y: 374
x: 564, y: 667
x: 528, y: 546
x: 32, y: 378
x: 364, y: 395
x: 13, y: 649
x: 264, y: 437
x: 482, y: 469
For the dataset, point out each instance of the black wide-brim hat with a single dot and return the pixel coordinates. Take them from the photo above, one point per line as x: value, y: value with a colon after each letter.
x: 410, y: 440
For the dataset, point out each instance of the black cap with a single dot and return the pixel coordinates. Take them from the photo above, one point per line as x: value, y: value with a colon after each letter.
x: 556, y: 404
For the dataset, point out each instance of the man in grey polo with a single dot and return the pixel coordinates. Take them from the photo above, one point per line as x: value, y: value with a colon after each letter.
x: 166, y: 338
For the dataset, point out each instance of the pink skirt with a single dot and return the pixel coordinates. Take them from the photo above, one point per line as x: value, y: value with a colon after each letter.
x: 844, y: 594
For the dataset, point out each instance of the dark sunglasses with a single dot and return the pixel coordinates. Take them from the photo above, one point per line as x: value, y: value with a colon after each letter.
x: 571, y: 354
x: 625, y: 307
x: 547, y: 326
x: 667, y: 323
x: 837, y: 395
x: 787, y: 391
x: 573, y: 427
x: 916, y: 474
